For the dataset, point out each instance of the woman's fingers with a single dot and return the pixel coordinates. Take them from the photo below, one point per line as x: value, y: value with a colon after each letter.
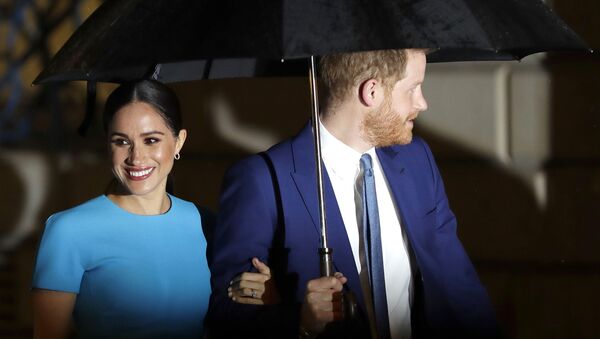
x: 249, y: 301
x: 244, y: 293
x: 248, y: 284
x: 254, y: 288
x: 249, y: 276
x: 261, y: 267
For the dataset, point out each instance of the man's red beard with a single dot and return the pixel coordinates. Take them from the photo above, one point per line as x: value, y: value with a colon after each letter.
x: 384, y: 127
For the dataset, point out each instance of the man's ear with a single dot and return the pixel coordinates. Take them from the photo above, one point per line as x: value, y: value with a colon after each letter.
x: 369, y: 92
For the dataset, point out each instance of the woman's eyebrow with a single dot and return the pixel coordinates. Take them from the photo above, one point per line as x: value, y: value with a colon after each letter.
x: 151, y: 132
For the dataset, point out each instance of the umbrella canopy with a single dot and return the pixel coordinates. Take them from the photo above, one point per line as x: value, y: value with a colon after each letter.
x: 133, y: 39
x: 127, y: 39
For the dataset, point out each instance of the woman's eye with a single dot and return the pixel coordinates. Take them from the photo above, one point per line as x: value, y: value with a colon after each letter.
x: 150, y: 141
x: 120, y: 142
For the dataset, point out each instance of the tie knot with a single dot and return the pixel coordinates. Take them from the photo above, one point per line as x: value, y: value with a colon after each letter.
x: 365, y: 162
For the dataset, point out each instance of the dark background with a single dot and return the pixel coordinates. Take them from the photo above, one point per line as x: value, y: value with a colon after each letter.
x: 541, y: 265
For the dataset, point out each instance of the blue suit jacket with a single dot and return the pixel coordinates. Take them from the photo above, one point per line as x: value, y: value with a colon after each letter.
x: 268, y: 209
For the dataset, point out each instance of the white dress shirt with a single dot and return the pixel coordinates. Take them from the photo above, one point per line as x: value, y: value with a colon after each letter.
x: 343, y: 166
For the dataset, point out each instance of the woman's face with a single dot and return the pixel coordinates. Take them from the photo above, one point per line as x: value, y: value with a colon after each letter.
x: 142, y: 149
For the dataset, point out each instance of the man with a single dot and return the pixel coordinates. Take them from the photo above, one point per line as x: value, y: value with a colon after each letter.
x: 268, y: 209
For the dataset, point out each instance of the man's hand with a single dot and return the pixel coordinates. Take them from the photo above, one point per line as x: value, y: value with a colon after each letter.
x: 322, y: 303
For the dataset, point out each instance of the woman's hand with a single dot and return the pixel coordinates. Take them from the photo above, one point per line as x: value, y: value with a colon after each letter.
x: 254, y: 288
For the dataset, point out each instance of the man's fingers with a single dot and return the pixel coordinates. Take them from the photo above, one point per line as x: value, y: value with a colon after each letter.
x: 337, y: 297
x: 322, y: 302
x: 319, y: 297
x: 324, y: 283
x: 340, y: 276
x: 322, y: 299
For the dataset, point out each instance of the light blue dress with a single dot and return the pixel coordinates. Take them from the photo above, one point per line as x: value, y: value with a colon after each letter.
x: 135, y: 276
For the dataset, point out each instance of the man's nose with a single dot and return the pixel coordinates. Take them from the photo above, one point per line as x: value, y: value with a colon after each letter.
x: 421, y: 103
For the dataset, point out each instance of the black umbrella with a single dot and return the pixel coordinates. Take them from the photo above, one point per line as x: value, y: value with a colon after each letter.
x: 126, y: 39
x: 133, y: 39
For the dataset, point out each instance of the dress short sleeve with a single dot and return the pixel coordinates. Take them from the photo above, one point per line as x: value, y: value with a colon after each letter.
x: 58, y: 265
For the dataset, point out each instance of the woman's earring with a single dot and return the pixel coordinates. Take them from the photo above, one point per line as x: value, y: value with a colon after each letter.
x: 177, y: 156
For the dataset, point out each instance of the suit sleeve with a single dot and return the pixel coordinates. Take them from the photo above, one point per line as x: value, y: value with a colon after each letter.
x: 464, y: 293
x: 245, y: 228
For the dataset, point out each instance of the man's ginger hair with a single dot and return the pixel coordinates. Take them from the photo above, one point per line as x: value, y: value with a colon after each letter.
x: 339, y: 73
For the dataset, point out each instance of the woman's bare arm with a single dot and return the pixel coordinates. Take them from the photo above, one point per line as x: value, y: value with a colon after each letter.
x: 52, y: 314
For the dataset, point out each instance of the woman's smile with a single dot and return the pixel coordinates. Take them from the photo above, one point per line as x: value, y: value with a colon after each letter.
x: 139, y: 173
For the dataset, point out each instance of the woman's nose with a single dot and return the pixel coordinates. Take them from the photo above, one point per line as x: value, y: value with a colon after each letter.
x: 136, y: 155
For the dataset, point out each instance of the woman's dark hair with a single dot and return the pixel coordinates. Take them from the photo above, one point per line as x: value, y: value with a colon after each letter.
x: 151, y: 92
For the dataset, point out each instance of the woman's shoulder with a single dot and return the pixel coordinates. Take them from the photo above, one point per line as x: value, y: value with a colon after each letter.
x: 85, y: 212
x: 179, y: 204
x: 178, y: 200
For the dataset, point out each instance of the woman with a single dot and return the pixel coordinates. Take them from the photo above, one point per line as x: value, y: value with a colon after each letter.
x: 130, y: 263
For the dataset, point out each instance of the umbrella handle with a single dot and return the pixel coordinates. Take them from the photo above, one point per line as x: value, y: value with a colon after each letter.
x: 349, y: 304
x: 326, y: 261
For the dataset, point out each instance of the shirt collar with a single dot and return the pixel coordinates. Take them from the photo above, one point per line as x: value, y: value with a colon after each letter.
x: 340, y: 159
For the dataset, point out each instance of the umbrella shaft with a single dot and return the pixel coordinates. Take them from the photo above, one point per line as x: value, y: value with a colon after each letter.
x: 317, y: 142
x: 325, y: 252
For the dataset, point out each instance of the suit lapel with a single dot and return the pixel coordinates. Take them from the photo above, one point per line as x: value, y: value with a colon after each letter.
x: 404, y: 192
x: 401, y: 183
x: 394, y: 173
x: 304, y: 178
x: 303, y: 173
